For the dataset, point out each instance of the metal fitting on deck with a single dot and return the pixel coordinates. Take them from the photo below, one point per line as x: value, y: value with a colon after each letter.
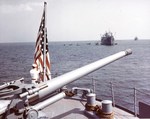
x: 103, y: 111
x: 107, y: 106
x: 91, y: 99
x: 106, y: 110
x: 91, y: 102
x: 84, y: 91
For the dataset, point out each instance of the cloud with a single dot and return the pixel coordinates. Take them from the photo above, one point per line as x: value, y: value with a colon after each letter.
x: 18, y: 5
x: 19, y: 20
x: 18, y: 2
x: 14, y: 9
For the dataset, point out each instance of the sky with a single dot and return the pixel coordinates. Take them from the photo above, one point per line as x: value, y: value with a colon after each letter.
x: 74, y: 20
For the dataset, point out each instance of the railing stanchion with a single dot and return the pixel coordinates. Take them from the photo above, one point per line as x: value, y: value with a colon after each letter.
x: 93, y: 82
x: 112, y: 94
x: 135, y: 102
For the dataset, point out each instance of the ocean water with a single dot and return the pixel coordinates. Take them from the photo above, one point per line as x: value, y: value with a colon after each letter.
x: 130, y: 72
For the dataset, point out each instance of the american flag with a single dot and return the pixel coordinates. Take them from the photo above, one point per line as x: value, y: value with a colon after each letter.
x: 41, y: 56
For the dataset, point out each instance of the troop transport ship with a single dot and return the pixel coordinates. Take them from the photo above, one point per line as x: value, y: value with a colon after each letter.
x: 107, y: 39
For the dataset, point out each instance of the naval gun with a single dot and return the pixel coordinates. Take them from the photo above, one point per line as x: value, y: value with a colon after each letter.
x: 18, y: 101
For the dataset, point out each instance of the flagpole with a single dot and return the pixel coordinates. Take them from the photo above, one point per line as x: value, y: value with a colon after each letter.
x: 44, y: 55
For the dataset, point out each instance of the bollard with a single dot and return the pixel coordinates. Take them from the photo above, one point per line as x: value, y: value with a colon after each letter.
x: 91, y: 99
x: 107, y: 106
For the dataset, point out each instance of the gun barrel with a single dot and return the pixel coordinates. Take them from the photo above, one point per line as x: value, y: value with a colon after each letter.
x: 69, y: 77
x: 63, y: 80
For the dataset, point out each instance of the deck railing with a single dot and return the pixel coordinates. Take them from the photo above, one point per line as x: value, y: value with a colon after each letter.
x: 126, y: 98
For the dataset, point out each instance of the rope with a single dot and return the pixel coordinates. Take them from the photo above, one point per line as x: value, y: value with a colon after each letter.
x: 69, y: 93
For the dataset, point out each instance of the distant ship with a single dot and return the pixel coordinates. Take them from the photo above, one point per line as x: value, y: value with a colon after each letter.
x: 136, y: 38
x: 107, y: 39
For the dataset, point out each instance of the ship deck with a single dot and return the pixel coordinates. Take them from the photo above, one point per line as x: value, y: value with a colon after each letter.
x: 74, y: 109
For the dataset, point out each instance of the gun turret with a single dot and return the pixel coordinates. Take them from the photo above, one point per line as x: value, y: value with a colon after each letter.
x: 32, y: 94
